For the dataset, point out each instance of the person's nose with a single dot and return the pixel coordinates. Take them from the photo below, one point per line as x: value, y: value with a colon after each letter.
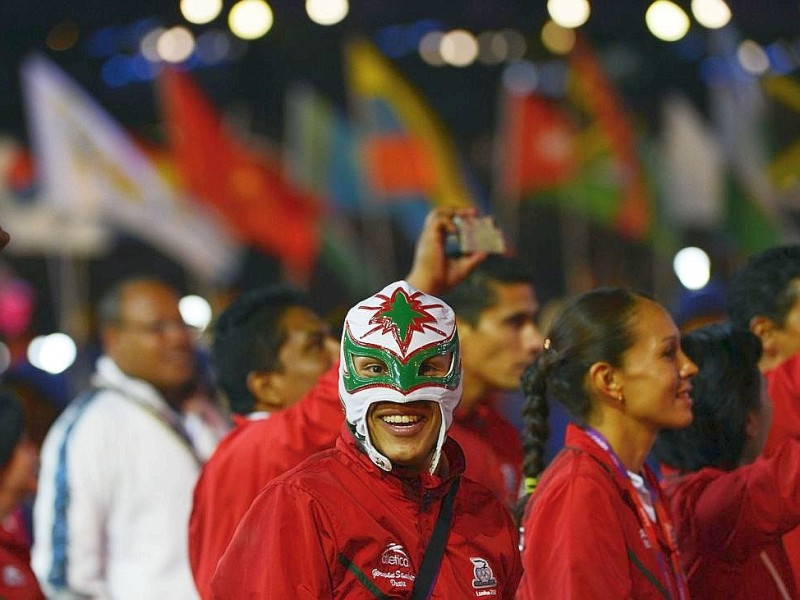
x: 532, y: 339
x: 687, y: 368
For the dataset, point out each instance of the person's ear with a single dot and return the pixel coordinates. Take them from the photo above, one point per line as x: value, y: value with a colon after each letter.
x: 764, y: 329
x: 752, y: 425
x: 607, y: 380
x: 263, y: 385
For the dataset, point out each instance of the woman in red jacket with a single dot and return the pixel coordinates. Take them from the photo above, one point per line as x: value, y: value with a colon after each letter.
x: 730, y: 506
x: 596, y: 525
x: 364, y: 519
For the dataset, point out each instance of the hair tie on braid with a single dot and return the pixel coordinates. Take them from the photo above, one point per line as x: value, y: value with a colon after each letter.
x: 530, y: 485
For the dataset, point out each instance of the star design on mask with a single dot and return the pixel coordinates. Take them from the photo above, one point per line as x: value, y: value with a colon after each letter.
x: 402, y: 316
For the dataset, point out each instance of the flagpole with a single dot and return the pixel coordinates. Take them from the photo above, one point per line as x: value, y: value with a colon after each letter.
x: 506, y: 182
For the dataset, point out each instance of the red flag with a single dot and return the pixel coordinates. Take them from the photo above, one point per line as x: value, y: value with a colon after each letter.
x: 248, y: 190
x: 603, y: 103
x: 539, y: 145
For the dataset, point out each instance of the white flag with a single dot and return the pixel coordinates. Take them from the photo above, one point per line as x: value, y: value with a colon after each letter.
x: 694, y: 184
x: 92, y: 170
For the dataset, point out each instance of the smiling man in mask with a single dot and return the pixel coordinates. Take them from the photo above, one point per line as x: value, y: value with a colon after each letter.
x: 360, y: 518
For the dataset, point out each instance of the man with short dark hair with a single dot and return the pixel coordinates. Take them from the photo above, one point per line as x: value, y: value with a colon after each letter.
x: 269, y: 350
x: 496, y: 309
x: 118, y: 465
x: 764, y: 297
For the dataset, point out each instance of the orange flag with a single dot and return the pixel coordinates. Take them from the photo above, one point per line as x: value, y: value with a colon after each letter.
x: 247, y: 189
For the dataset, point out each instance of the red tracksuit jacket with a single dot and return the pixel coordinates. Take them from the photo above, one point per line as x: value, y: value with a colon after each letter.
x: 582, y: 537
x: 783, y: 387
x: 339, y: 527
x: 493, y: 450
x: 729, y: 526
x: 250, y: 457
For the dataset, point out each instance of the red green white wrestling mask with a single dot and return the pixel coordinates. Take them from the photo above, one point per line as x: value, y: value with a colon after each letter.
x: 402, y: 328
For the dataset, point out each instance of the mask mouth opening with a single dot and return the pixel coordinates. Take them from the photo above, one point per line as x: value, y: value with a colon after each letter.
x: 382, y: 461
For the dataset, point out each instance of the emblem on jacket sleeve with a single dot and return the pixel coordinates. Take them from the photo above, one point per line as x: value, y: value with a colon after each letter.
x: 483, y: 577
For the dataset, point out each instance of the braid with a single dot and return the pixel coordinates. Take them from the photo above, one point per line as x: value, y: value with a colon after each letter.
x: 536, y: 430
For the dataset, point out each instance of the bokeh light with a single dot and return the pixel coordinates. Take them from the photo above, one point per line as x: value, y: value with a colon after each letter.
x: 250, y: 19
x: 667, y: 21
x: 195, y: 310
x: 430, y: 48
x: 327, y: 12
x: 712, y: 14
x: 459, y: 48
x: 53, y: 353
x: 752, y: 57
x: 63, y: 36
x: 200, y: 12
x: 569, y: 13
x: 175, y: 45
x: 692, y: 267
x: 557, y: 39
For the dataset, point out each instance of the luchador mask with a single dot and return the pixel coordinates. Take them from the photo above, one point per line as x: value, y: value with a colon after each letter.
x: 402, y: 327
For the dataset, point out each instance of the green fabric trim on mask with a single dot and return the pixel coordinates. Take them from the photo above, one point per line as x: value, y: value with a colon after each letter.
x: 403, y: 377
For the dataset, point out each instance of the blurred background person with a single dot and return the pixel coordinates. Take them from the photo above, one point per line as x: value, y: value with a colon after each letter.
x: 764, y: 298
x: 269, y: 350
x: 18, y: 464
x: 496, y: 308
x: 596, y: 522
x: 730, y: 507
x: 118, y: 466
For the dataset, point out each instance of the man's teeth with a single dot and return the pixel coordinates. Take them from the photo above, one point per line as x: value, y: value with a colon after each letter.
x: 401, y: 419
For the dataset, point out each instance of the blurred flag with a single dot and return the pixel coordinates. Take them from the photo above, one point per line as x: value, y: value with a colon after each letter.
x: 247, y: 189
x: 321, y: 155
x: 406, y: 152
x: 755, y: 219
x: 611, y: 176
x: 92, y: 171
x: 538, y: 141
x: 693, y: 168
x: 321, y: 149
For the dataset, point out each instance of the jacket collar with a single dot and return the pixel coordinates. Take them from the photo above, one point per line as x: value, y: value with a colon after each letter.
x: 108, y: 375
x: 413, y: 485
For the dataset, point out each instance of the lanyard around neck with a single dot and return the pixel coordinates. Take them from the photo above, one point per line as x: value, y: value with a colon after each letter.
x: 662, y: 519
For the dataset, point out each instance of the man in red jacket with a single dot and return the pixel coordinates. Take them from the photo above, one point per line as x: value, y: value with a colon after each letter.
x: 255, y: 453
x: 358, y: 521
x: 269, y: 351
x: 496, y: 308
x: 764, y: 297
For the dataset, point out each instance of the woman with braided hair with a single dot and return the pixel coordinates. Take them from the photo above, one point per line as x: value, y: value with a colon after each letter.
x: 595, y: 524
